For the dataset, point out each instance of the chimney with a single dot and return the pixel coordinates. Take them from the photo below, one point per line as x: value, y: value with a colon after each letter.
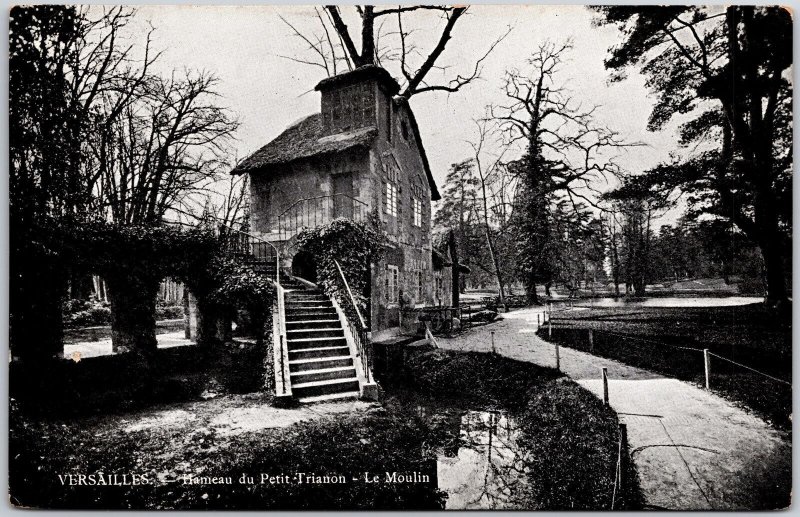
x: 351, y: 100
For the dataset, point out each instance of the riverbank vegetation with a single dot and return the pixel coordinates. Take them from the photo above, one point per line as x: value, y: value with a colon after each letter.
x: 556, y: 425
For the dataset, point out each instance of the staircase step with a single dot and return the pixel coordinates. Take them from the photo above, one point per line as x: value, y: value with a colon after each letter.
x: 299, y: 296
x: 311, y: 304
x: 318, y: 352
x: 330, y: 398
x: 320, y: 363
x: 313, y: 324
x: 307, y: 313
x: 338, y: 372
x: 314, y: 342
x: 311, y: 333
x: 316, y: 388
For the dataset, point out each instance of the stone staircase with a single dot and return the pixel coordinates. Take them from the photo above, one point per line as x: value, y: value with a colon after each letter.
x: 321, y: 366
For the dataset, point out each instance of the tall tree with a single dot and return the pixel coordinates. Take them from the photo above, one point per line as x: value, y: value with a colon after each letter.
x: 41, y: 47
x: 459, y: 213
x: 564, y: 153
x: 728, y: 69
x: 637, y: 216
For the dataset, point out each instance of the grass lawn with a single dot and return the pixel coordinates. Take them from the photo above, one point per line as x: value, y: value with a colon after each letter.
x: 569, y: 439
x: 647, y: 337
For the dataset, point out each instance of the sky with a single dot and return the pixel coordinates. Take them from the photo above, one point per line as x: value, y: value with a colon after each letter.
x: 243, y: 45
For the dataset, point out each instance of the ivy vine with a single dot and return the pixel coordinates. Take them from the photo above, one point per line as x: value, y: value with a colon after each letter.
x: 355, y: 245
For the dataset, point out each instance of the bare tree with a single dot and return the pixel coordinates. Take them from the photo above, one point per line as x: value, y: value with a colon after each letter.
x: 486, y: 172
x: 169, y: 142
x: 384, y: 41
x: 565, y: 154
x: 555, y: 128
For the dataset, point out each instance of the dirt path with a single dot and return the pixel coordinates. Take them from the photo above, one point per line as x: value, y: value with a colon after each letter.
x: 227, y: 416
x: 693, y: 449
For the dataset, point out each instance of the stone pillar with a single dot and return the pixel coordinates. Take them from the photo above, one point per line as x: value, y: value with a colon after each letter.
x: 191, y: 317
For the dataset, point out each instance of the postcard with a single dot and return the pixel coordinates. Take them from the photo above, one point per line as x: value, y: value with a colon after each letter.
x: 400, y: 257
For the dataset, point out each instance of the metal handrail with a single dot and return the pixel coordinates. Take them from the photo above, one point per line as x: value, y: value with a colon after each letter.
x: 263, y: 241
x: 350, y: 294
x: 361, y: 334
x: 305, y: 199
x: 313, y: 211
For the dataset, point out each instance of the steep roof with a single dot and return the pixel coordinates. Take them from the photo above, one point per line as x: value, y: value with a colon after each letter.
x: 435, y: 196
x: 304, y: 140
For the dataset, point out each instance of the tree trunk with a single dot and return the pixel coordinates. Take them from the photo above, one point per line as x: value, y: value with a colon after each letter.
x: 456, y: 274
x: 490, y: 242
x: 776, y: 294
x: 133, y: 309
x: 530, y: 290
x: 36, y: 290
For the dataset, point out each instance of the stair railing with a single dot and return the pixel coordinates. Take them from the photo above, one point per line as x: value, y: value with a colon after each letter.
x: 312, y: 212
x: 243, y: 243
x: 280, y: 348
x: 358, y: 326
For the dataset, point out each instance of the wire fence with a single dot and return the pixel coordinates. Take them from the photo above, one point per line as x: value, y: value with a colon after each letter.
x: 705, y: 351
x: 751, y: 369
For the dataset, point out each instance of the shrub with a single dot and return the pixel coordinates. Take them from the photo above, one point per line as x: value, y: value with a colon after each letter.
x: 169, y: 312
x: 85, y: 313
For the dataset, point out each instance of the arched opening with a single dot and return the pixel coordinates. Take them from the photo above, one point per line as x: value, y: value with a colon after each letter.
x: 303, y: 266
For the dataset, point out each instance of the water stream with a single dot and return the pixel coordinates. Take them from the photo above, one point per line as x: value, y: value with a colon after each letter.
x: 488, y: 470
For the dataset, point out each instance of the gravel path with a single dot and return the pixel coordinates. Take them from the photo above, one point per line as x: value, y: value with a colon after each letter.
x: 693, y: 450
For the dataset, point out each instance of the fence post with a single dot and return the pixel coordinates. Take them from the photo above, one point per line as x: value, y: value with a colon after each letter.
x: 549, y: 328
x: 605, y: 385
x: 623, y: 454
x: 538, y: 322
x: 494, y: 350
x: 707, y: 361
x: 591, y: 341
x: 558, y: 357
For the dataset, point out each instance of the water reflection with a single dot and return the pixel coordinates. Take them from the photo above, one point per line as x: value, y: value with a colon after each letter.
x: 488, y: 470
